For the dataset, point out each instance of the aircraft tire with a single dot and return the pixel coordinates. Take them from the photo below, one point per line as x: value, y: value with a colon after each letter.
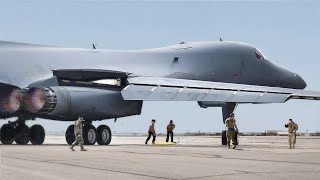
x: 104, y: 135
x: 8, y: 134
x: 224, y: 138
x: 89, y: 135
x: 37, y: 134
x: 23, y: 134
x: 70, y: 135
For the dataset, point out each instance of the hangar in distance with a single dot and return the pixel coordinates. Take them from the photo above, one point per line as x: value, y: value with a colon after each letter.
x: 55, y: 83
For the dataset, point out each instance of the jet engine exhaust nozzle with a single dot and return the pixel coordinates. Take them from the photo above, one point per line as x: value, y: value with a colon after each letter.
x: 40, y: 100
x: 11, y: 103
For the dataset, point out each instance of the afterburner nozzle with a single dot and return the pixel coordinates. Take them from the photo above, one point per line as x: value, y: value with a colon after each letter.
x: 11, y: 102
x: 40, y: 100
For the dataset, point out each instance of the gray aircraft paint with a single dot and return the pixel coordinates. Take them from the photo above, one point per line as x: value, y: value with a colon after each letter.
x: 26, y: 65
x: 209, y: 61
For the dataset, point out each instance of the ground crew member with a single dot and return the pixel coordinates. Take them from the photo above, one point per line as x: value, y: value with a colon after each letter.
x: 170, y: 129
x: 151, y: 132
x: 78, y: 134
x: 292, y: 130
x: 231, y: 130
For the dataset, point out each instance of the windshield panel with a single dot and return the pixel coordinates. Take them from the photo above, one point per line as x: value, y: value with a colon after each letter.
x: 259, y: 55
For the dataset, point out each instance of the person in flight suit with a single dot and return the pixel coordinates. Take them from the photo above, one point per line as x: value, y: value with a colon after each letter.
x: 292, y: 130
x: 170, y: 129
x: 78, y: 134
x: 231, y: 130
x: 151, y: 132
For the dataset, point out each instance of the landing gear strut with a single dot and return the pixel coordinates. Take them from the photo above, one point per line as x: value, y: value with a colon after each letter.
x: 19, y: 132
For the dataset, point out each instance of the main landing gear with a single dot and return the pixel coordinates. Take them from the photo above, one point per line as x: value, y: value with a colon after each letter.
x: 19, y: 132
x: 102, y: 135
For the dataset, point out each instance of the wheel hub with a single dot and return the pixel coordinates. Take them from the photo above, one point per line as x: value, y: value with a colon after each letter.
x: 105, y: 135
x: 91, y: 136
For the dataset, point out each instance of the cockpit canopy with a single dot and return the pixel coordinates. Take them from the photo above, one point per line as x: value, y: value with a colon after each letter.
x: 259, y: 55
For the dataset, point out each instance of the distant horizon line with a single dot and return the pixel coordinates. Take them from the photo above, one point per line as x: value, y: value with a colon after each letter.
x: 187, y: 133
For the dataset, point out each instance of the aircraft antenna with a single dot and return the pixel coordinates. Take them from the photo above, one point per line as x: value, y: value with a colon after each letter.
x: 94, y: 47
x: 220, y: 39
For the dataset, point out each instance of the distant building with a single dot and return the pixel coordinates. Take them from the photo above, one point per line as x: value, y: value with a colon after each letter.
x: 275, y: 133
x: 283, y: 133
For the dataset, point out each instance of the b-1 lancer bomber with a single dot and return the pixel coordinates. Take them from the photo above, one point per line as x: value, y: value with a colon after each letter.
x: 54, y: 83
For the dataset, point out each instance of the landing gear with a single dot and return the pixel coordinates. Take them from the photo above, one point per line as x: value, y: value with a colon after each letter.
x: 89, y: 135
x: 104, y: 135
x: 37, y: 134
x: 70, y: 135
x: 224, y: 140
x: 19, y: 132
x: 23, y: 134
x: 8, y: 134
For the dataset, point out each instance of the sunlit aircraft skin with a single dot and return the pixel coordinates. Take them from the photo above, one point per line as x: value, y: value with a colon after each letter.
x: 57, y: 83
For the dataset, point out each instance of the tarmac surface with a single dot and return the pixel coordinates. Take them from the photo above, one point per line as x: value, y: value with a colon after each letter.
x: 193, y: 158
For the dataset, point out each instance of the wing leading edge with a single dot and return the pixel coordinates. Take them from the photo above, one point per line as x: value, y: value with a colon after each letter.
x: 167, y: 89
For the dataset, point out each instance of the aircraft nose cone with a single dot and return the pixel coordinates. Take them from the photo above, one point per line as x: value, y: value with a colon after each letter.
x: 300, y: 83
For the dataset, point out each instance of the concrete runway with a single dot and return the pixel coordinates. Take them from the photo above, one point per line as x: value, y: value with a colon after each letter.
x: 193, y: 158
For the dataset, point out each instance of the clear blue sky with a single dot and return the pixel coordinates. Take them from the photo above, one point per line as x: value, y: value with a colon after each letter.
x: 287, y: 32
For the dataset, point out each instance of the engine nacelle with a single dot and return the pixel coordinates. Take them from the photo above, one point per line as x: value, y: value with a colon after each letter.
x: 70, y: 102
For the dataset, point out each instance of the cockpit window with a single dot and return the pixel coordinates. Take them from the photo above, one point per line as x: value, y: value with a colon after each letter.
x: 259, y: 55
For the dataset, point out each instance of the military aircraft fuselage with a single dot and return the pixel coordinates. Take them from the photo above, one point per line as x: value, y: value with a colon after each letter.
x: 23, y: 64
x: 230, y: 62
x: 63, y: 84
